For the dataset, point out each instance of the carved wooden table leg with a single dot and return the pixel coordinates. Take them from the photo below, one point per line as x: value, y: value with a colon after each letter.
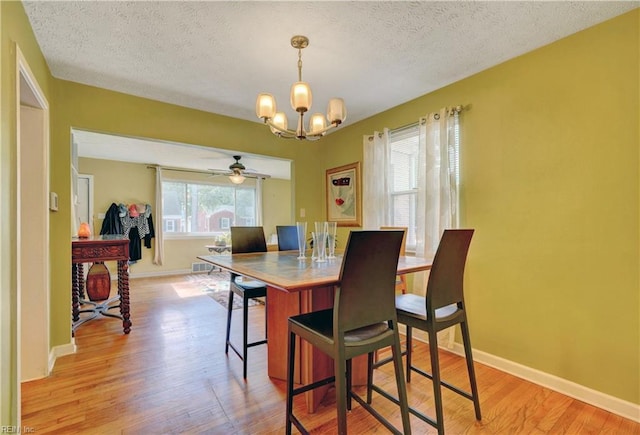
x: 81, y: 281
x: 75, y: 304
x: 123, y: 291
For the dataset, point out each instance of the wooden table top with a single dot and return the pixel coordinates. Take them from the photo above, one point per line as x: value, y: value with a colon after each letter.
x: 284, y: 271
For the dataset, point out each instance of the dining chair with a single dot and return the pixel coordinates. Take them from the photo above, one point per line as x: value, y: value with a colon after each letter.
x: 401, y: 280
x: 287, y: 237
x: 245, y: 240
x: 362, y: 320
x: 442, y: 307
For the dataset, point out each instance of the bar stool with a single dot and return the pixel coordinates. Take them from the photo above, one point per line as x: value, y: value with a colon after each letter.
x: 442, y: 307
x: 245, y: 240
x: 362, y: 320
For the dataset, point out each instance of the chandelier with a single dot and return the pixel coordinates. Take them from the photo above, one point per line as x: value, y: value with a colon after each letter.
x: 301, y: 100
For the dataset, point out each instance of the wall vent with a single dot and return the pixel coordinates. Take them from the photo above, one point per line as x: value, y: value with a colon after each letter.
x: 200, y: 267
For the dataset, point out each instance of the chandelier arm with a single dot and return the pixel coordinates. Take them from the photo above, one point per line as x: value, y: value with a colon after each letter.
x: 324, y: 130
x: 285, y: 133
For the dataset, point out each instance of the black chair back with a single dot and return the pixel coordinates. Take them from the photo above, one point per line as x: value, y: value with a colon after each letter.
x: 287, y: 237
x: 445, y: 285
x: 366, y: 294
x: 247, y: 239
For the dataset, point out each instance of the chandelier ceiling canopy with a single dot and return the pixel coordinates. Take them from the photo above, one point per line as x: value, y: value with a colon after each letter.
x: 301, y: 100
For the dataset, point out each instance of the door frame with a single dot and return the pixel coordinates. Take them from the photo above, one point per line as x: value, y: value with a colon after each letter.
x: 30, y: 94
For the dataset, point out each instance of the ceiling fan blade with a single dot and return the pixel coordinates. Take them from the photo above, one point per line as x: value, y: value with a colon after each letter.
x: 255, y: 175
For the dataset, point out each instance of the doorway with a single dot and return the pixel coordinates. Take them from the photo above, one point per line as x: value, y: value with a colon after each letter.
x: 33, y: 263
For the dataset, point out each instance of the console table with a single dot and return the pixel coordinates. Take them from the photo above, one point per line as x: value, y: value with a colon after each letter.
x: 98, y: 250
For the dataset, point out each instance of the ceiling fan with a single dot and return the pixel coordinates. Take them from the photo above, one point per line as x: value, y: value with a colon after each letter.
x: 237, y: 172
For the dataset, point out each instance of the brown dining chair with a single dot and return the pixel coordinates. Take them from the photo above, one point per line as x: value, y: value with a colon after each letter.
x: 401, y: 280
x: 442, y: 307
x: 362, y: 320
x: 287, y: 237
x: 245, y: 240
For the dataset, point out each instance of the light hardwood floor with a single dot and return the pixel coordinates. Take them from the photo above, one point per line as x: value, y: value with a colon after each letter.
x: 170, y: 375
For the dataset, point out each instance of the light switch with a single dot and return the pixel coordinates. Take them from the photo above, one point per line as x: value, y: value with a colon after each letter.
x: 303, y: 212
x: 53, y: 201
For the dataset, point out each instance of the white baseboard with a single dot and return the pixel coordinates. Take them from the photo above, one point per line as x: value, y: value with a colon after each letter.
x: 58, y: 351
x: 596, y: 398
x: 158, y: 273
x: 114, y: 276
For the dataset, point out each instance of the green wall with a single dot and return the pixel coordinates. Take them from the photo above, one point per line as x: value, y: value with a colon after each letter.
x: 550, y: 182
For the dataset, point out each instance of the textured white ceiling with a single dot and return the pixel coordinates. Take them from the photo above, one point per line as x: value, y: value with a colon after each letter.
x: 218, y: 55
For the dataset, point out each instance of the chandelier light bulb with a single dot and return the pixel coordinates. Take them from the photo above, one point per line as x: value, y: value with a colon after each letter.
x: 265, y: 106
x: 336, y: 111
x: 280, y: 121
x: 317, y: 123
x: 301, y: 97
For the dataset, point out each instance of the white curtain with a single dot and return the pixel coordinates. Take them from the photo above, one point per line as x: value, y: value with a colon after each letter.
x: 159, y: 227
x: 438, y: 175
x: 438, y: 179
x: 376, y: 172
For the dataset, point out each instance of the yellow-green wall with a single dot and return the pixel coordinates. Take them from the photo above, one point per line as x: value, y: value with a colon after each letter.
x: 550, y: 182
x: 127, y: 183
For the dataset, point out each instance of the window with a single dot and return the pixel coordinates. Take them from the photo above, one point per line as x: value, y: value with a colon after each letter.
x: 225, y: 223
x: 191, y: 208
x: 403, y: 144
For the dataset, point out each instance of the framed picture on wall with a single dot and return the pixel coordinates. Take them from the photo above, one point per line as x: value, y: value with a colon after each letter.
x: 344, y: 195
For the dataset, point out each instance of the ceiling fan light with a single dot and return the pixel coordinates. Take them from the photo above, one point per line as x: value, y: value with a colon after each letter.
x: 237, y: 178
x: 317, y: 123
x: 265, y: 106
x: 336, y: 111
x: 301, y: 97
x: 279, y: 120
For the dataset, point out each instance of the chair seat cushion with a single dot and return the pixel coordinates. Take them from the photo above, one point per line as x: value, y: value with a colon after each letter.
x: 321, y: 323
x: 249, y: 289
x: 416, y: 306
x: 250, y: 284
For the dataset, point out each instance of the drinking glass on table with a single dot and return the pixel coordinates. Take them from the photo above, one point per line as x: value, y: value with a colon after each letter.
x: 321, y: 242
x: 302, y: 241
x: 331, y: 238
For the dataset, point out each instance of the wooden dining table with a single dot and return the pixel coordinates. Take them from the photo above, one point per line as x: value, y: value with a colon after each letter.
x: 296, y: 286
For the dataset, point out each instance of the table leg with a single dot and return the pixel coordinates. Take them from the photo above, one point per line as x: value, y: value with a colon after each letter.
x: 81, y: 282
x: 280, y: 306
x: 123, y: 291
x: 311, y: 364
x: 75, y: 298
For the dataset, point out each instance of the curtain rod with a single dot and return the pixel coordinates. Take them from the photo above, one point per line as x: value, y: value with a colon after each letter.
x: 456, y: 109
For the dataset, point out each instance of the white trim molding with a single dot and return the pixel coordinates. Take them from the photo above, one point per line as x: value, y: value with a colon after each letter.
x: 596, y: 398
x: 62, y: 350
